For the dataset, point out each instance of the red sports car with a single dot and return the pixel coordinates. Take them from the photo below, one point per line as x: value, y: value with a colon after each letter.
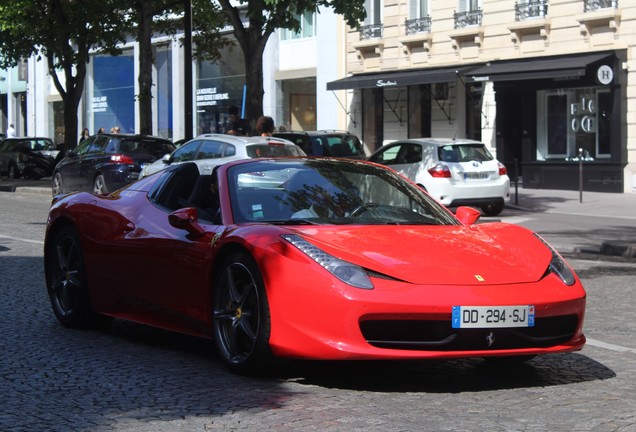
x: 309, y: 258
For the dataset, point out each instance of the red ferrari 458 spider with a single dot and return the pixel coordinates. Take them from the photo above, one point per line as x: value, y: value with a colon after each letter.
x: 309, y: 258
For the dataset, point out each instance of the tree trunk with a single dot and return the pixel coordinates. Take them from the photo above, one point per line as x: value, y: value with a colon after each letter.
x: 71, y: 96
x: 254, y: 83
x: 145, y: 67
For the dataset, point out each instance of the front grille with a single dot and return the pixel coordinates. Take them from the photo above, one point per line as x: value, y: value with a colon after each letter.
x: 438, y: 335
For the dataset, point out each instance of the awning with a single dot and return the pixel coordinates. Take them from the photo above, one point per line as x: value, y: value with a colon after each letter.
x: 537, y: 68
x: 398, y: 78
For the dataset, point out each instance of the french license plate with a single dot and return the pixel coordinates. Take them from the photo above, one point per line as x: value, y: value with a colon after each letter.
x: 492, y: 316
x: 476, y: 175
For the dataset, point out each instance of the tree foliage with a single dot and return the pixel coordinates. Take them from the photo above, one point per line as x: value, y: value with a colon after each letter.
x: 63, y: 32
x: 265, y: 16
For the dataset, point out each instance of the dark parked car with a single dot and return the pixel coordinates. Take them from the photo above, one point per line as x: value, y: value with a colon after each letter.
x: 27, y: 157
x: 106, y: 162
x: 326, y: 143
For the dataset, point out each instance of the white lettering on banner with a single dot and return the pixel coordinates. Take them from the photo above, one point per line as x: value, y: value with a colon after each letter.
x: 382, y: 83
x: 209, y: 96
x: 583, y: 115
x: 100, y: 104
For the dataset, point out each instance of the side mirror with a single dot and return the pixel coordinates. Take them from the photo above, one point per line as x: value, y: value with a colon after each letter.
x: 186, y: 219
x: 467, y: 215
x: 166, y: 159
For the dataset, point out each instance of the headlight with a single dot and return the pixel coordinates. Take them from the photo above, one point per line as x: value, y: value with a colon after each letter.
x: 350, y: 274
x: 558, y: 266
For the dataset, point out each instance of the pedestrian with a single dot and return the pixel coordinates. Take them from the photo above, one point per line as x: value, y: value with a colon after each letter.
x: 114, y: 129
x: 11, y: 131
x: 237, y: 125
x: 85, y: 134
x: 265, y: 126
x: 101, y: 130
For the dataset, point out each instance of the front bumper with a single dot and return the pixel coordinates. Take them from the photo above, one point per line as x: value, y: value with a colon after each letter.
x: 319, y: 318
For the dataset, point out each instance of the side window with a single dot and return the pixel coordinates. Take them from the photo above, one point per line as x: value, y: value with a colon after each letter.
x: 186, y: 152
x: 210, y: 150
x: 97, y: 145
x: 175, y: 192
x: 388, y: 156
x: 83, y: 147
x: 411, y: 153
x: 229, y: 150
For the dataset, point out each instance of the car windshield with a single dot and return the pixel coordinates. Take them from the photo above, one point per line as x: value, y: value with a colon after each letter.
x: 464, y: 153
x: 328, y: 192
x: 273, y: 150
x: 336, y: 145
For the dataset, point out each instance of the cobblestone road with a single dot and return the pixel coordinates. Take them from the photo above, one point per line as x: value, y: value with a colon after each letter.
x: 134, y: 378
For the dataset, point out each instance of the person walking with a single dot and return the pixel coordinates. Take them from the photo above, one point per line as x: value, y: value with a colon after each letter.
x: 85, y: 134
x: 11, y: 131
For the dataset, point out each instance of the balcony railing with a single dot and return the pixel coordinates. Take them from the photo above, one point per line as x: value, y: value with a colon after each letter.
x: 592, y: 5
x: 418, y: 25
x: 531, y: 9
x: 468, y: 18
x: 371, y: 31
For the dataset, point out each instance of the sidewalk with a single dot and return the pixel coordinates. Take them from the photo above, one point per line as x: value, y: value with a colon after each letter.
x: 621, y: 206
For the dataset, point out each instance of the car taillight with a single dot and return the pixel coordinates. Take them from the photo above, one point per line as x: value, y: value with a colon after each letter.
x: 502, y: 169
x: 122, y: 159
x: 440, y: 171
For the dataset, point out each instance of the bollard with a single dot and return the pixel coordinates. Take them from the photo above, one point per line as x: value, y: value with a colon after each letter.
x: 580, y: 175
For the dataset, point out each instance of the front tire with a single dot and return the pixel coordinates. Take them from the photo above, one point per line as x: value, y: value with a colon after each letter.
x: 66, y: 282
x: 241, y: 316
x: 13, y: 173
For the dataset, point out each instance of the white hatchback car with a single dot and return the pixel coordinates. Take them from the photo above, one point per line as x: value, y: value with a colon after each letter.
x: 208, y: 149
x: 456, y: 172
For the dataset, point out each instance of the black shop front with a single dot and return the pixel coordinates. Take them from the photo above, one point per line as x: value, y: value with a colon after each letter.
x: 558, y: 117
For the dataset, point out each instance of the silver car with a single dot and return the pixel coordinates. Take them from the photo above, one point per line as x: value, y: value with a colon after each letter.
x: 206, y: 151
x: 456, y: 172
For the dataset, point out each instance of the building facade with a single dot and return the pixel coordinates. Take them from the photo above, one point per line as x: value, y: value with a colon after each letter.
x: 545, y: 83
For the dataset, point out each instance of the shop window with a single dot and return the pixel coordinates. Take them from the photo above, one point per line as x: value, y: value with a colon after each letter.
x: 574, y: 122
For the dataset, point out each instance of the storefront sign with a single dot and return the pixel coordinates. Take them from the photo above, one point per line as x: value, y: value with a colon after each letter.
x: 210, y: 96
x: 382, y: 83
x: 100, y: 104
x: 605, y: 74
x: 583, y: 115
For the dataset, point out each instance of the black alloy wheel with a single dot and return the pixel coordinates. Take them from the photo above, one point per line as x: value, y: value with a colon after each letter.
x: 493, y: 208
x: 241, y: 317
x: 66, y: 282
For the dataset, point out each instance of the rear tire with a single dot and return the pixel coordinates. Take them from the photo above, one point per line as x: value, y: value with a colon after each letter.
x: 99, y: 185
x: 493, y: 208
x: 66, y: 282
x: 57, y: 185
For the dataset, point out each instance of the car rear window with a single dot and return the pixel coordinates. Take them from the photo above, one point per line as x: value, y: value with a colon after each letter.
x: 154, y: 148
x: 272, y: 150
x: 464, y: 153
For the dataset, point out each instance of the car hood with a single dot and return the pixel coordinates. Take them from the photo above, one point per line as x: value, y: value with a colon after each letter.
x: 492, y: 253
